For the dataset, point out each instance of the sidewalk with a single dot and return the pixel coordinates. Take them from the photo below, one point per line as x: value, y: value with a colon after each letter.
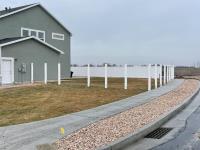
x: 27, y: 136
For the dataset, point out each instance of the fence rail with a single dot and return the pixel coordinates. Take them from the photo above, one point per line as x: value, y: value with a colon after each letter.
x: 132, y: 72
x: 164, y: 73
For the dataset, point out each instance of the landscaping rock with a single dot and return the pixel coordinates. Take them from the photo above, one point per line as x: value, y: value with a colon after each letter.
x: 110, y: 129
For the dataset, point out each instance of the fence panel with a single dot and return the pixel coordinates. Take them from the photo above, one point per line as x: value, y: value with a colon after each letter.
x: 132, y: 72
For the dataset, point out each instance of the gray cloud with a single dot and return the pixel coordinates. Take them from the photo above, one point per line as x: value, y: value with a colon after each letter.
x: 129, y: 31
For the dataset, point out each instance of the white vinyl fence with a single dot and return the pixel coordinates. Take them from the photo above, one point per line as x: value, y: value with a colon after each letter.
x: 132, y: 72
x: 164, y: 73
x: 46, y: 73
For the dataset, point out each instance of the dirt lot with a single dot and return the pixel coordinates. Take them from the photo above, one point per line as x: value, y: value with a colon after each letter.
x: 26, y: 104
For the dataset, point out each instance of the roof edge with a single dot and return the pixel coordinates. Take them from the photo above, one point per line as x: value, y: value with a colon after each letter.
x: 31, y: 6
x: 34, y: 38
x: 8, y: 14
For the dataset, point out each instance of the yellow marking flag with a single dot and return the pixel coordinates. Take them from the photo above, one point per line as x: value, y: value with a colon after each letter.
x: 62, y: 131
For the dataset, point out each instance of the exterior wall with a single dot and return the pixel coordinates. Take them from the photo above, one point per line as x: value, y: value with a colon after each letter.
x: 133, y: 72
x: 37, y: 18
x: 32, y: 51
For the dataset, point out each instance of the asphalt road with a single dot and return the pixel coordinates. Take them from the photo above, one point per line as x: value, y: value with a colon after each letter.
x: 188, y: 138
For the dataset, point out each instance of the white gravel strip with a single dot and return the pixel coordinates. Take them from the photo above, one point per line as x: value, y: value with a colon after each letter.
x: 108, y: 130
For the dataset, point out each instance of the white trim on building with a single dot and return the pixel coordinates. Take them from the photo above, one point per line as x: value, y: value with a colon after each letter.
x: 11, y: 71
x: 31, y: 37
x: 58, y: 36
x: 37, y: 33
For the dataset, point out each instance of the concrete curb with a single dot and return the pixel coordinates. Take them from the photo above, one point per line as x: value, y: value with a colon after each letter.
x: 133, y: 137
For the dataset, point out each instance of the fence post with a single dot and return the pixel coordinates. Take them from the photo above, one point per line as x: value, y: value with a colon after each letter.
x: 164, y: 78
x: 171, y: 72
x: 160, y: 75
x: 149, y: 77
x: 32, y: 72
x: 125, y: 77
x: 106, y: 76
x: 155, y: 77
x: 59, y: 74
x: 88, y: 75
x: 45, y: 73
x: 168, y: 73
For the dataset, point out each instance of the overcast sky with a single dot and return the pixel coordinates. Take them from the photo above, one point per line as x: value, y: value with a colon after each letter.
x: 128, y: 31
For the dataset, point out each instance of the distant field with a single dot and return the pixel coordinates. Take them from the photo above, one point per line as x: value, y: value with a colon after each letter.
x: 26, y: 104
x: 187, y: 71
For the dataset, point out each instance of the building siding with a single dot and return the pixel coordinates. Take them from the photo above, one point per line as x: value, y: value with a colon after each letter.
x: 37, y: 18
x: 27, y: 52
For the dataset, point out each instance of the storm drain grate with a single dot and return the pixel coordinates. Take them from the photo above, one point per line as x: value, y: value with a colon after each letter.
x: 158, y: 133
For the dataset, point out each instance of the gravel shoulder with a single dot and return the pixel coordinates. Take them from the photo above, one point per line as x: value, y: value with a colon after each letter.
x: 112, y: 128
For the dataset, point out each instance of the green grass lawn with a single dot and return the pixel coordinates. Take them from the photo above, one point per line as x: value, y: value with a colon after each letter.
x: 26, y: 104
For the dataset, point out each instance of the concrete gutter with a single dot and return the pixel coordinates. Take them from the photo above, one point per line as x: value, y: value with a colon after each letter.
x: 142, y: 132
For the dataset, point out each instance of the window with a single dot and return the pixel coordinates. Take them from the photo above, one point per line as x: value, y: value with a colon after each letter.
x: 25, y: 33
x: 58, y: 36
x: 32, y: 32
x: 41, y: 35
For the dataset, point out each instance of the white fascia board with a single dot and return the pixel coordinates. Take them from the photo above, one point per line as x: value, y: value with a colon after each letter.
x: 31, y: 37
x: 16, y: 41
x: 56, y: 20
x: 48, y: 45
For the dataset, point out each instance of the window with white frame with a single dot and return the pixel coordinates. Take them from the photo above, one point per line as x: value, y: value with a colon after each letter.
x: 32, y: 32
x: 58, y: 36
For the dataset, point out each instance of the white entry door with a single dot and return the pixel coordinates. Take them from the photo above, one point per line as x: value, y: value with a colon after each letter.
x: 7, y: 70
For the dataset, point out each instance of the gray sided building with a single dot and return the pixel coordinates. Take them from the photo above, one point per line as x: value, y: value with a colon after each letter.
x: 30, y: 34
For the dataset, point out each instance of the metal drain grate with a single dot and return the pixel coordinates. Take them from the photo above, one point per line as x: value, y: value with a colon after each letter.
x: 158, y: 133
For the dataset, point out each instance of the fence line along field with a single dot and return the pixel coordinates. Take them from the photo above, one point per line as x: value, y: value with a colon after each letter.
x: 164, y: 73
x: 31, y: 103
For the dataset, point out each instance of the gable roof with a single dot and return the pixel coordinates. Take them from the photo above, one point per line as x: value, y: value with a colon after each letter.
x: 10, y: 41
x: 11, y: 11
x: 6, y: 40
